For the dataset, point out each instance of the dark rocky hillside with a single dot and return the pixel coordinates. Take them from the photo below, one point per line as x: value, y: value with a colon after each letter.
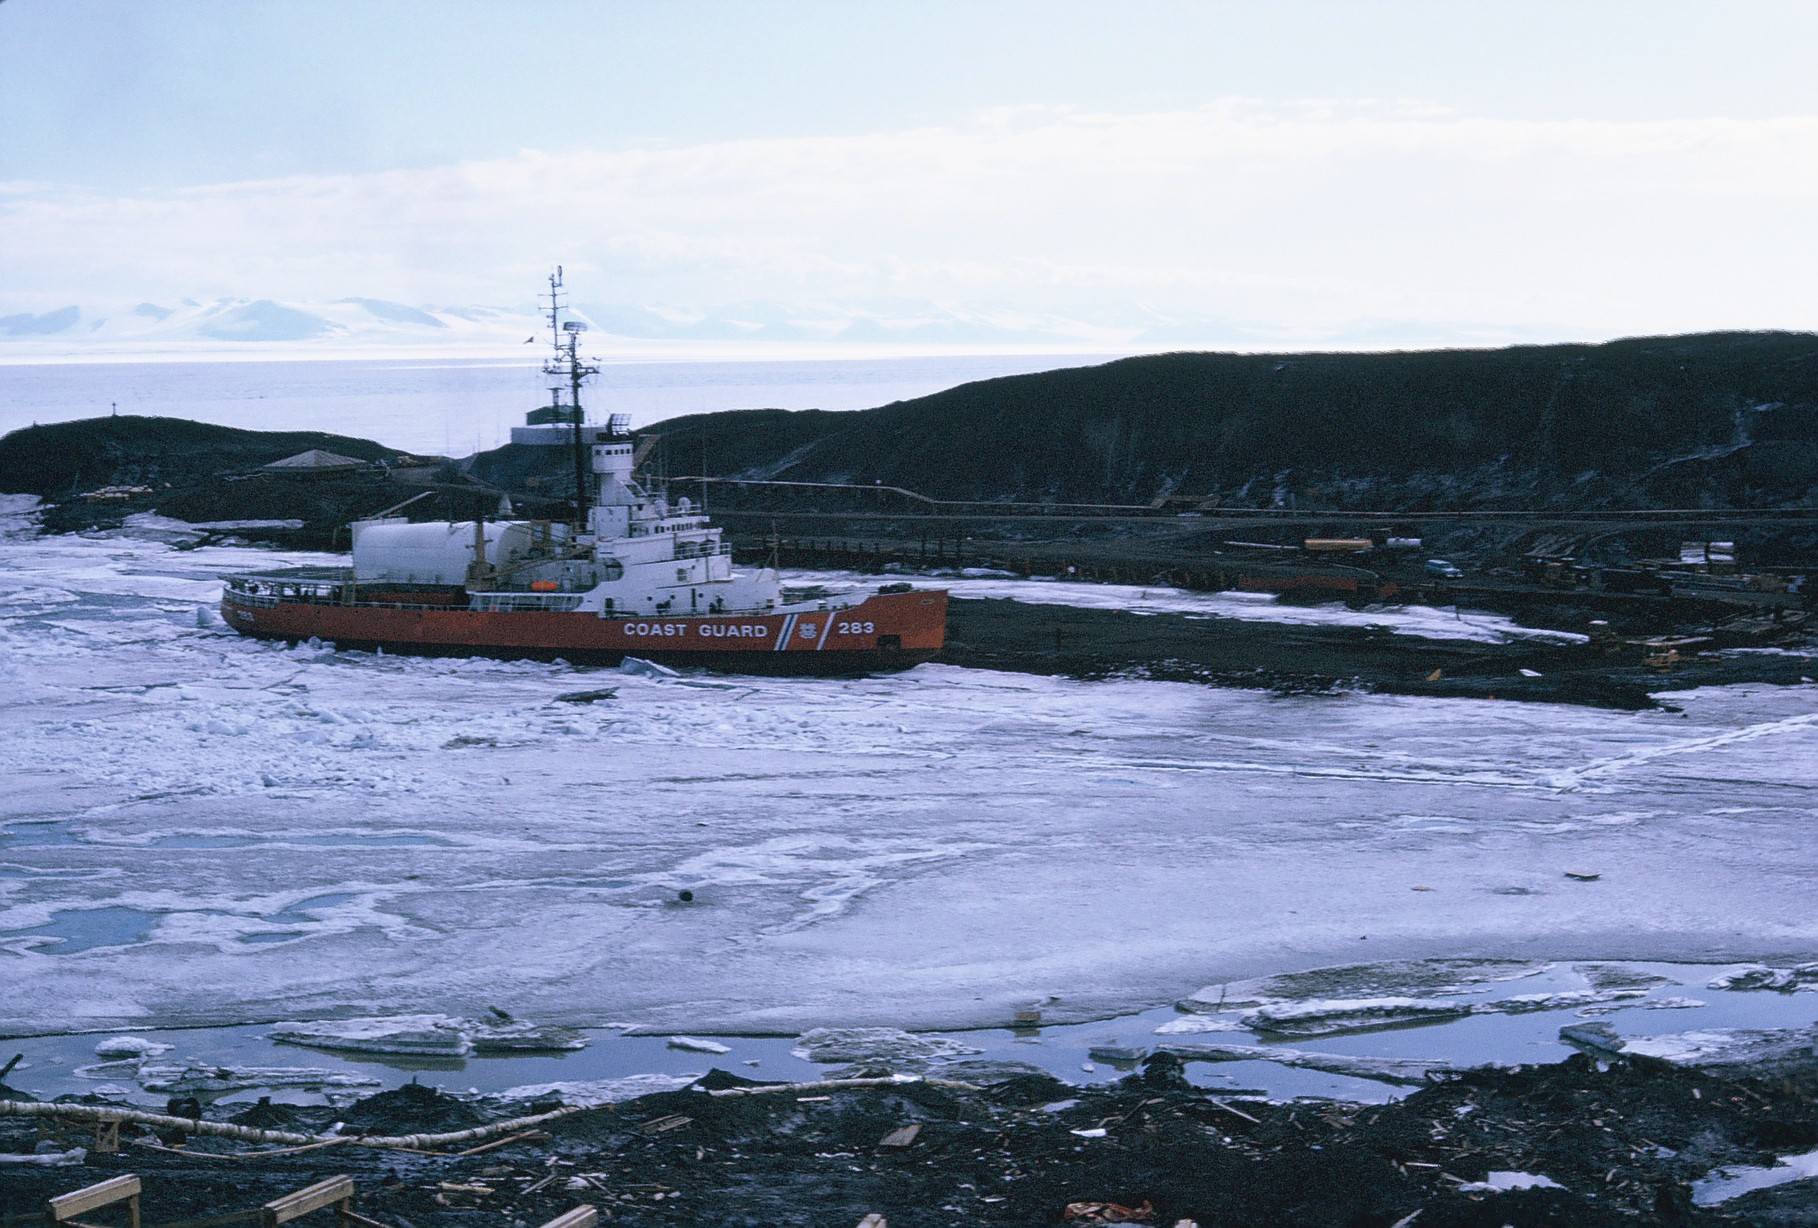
x: 197, y: 472
x: 1712, y: 420
x: 1721, y: 419
x: 66, y: 458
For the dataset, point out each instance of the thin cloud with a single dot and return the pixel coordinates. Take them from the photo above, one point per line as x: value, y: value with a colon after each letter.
x: 1302, y: 215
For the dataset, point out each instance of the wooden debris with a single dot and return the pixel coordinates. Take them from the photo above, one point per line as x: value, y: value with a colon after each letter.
x: 60, y: 1209
x: 580, y: 1217
x: 763, y: 1089
x: 902, y: 1136
x: 336, y: 1192
x: 221, y: 1129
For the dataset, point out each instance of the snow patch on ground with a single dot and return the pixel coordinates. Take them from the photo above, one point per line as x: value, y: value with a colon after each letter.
x: 1724, y: 1184
x: 1427, y: 622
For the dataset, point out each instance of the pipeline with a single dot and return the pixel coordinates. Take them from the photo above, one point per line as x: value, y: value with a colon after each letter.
x: 104, y: 1114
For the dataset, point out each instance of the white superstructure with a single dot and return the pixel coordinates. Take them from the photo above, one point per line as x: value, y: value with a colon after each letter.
x: 634, y: 555
x: 640, y: 555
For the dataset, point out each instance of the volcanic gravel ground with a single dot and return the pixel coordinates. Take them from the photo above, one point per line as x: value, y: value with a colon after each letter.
x: 1624, y: 1141
x: 1297, y: 659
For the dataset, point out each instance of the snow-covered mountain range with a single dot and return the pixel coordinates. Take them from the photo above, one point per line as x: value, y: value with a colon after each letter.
x: 369, y: 324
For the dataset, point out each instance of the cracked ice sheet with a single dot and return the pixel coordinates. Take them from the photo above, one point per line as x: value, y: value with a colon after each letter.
x: 1426, y: 622
x: 203, y: 828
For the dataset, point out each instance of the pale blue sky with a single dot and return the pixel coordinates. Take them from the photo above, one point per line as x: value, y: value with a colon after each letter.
x: 1476, y: 157
x: 124, y: 93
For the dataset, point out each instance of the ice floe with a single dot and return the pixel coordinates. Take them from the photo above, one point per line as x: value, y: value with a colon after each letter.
x: 1752, y: 1049
x: 1525, y: 1003
x: 1406, y: 1071
x: 191, y: 1078
x: 884, y: 1045
x: 417, y: 1035
x: 518, y: 1037
x: 429, y: 1035
x: 1190, y: 1024
x: 1799, y: 976
x: 130, y: 1046
x: 1330, y: 1017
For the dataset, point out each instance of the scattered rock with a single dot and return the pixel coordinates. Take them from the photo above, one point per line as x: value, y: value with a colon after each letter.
x: 1621, y: 1142
x: 1116, y: 1053
x: 410, y: 1109
x: 585, y: 697
x: 585, y: 1092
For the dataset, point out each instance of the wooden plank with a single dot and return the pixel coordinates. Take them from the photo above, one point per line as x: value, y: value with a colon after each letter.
x: 213, y: 1221
x: 874, y: 1220
x: 312, y: 1198
x: 902, y: 1136
x: 343, y: 1216
x: 580, y: 1217
x: 106, y: 1193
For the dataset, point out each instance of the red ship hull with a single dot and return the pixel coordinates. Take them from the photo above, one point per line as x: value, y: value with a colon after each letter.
x: 887, y: 632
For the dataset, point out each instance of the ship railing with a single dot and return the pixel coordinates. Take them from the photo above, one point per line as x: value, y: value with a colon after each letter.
x: 241, y: 597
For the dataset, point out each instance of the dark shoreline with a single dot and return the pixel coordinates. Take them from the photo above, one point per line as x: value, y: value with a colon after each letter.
x: 1078, y: 642
x: 1623, y: 1140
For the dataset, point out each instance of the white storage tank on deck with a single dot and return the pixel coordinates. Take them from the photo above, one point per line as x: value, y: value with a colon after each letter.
x: 437, y: 552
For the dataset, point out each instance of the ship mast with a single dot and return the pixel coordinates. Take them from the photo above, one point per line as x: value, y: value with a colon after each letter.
x: 566, y: 364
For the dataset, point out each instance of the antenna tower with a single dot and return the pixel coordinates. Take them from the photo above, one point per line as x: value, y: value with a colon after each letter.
x: 566, y: 366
